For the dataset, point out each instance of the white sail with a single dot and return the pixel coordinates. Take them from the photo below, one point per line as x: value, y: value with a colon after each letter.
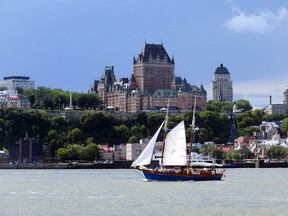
x: 145, y: 157
x: 175, y: 147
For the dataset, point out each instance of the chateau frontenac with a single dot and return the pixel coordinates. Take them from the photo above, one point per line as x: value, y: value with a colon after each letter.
x: 152, y: 84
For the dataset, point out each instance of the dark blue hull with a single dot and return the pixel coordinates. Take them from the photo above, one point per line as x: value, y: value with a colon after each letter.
x: 152, y: 175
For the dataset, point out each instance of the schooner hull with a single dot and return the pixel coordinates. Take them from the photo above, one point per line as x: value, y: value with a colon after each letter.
x: 152, y: 175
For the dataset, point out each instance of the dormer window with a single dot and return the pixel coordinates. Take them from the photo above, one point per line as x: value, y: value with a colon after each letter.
x: 165, y: 59
x: 158, y: 59
x: 150, y: 58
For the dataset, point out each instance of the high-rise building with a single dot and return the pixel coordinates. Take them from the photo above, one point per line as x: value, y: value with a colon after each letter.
x: 222, y: 89
x: 14, y: 82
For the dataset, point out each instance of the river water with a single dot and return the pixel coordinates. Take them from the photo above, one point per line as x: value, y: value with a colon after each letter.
x: 123, y: 192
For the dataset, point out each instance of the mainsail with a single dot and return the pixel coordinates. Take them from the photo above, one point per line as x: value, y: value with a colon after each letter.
x: 175, y: 147
x: 146, y: 156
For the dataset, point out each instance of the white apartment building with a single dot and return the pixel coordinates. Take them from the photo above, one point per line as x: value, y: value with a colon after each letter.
x: 133, y: 150
x: 12, y: 82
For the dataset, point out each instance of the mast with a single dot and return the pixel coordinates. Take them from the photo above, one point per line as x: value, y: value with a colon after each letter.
x: 192, y: 135
x: 165, y: 133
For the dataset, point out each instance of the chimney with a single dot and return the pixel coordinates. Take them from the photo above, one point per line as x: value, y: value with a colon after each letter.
x: 270, y: 100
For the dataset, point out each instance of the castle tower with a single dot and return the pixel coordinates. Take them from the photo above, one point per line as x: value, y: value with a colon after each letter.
x: 153, y: 69
x: 106, y: 83
x: 222, y: 88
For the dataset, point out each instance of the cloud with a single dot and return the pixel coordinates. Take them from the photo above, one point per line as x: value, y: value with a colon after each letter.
x: 260, y: 22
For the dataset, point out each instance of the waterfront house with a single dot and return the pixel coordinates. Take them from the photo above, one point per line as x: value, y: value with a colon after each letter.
x: 106, y: 152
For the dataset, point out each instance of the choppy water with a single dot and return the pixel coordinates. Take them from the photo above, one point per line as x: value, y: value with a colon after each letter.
x: 122, y: 192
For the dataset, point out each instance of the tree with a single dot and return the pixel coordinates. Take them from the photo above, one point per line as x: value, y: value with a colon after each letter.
x: 88, y: 101
x: 276, y: 152
x: 15, y: 125
x: 243, y: 125
x: 30, y: 94
x: 37, y: 123
x: 133, y: 139
x: 284, y: 126
x: 204, y: 135
x: 212, y: 151
x: 234, y: 155
x: 141, y: 118
x: 62, y: 154
x: 98, y: 125
x: 59, y: 124
x: 72, y: 152
x: 52, y: 135
x: 154, y: 121
x: 60, y: 98
x: 273, y: 117
x: 219, y: 106
x: 245, y: 120
x: 43, y: 98
x: 249, y: 130
x: 90, y: 152
x: 122, y: 133
x: 244, y: 105
x: 135, y: 131
x: 54, y: 142
x: 76, y: 136
x: 20, y: 90
x: 258, y: 116
x: 143, y: 131
x: 2, y: 132
x: 212, y: 127
x: 54, y: 146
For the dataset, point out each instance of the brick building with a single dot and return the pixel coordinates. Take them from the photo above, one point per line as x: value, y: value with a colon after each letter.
x: 153, y: 69
x: 150, y: 86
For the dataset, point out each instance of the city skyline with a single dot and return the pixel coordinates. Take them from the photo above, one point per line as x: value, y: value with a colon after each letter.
x: 67, y: 44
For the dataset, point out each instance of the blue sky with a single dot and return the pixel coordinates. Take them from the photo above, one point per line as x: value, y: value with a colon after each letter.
x: 67, y: 43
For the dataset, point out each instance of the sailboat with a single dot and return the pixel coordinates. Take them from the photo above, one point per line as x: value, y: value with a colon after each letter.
x: 174, y: 165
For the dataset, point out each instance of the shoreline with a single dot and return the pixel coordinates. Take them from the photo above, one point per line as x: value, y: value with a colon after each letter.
x: 72, y: 165
x: 123, y: 165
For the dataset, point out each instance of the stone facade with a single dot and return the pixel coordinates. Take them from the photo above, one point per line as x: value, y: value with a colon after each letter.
x: 222, y: 89
x: 278, y: 108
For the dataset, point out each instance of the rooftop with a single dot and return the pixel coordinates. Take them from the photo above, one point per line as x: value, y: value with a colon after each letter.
x: 221, y: 70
